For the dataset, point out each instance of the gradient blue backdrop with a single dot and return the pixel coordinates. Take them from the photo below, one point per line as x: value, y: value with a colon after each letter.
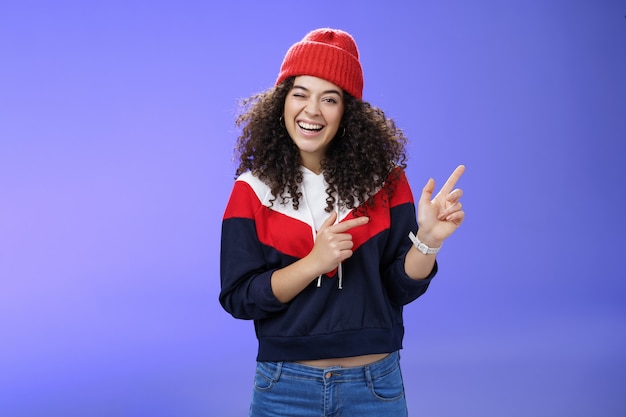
x: 116, y: 137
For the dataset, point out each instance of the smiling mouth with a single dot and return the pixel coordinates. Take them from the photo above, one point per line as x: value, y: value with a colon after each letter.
x: 310, y: 127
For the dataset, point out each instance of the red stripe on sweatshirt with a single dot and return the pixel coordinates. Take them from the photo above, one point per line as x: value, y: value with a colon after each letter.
x: 294, y: 237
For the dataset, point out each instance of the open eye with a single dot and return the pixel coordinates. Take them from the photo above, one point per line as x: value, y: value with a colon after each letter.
x: 331, y: 100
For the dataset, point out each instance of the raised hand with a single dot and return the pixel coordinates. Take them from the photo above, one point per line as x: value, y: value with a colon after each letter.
x: 440, y: 216
x: 333, y: 244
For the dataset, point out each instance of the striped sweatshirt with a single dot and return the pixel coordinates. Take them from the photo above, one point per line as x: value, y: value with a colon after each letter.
x: 355, y: 309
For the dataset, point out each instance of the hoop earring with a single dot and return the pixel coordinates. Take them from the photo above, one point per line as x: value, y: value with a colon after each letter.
x: 281, y: 121
x: 344, y: 132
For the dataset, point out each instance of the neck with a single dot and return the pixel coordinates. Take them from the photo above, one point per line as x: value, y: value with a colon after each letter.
x: 312, y: 164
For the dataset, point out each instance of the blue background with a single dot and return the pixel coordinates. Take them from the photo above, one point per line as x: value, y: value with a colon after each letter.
x: 116, y: 138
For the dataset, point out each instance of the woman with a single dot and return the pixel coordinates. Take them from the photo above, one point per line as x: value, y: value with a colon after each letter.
x: 320, y: 240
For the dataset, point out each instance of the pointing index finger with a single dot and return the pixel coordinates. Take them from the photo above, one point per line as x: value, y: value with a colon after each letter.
x: 452, y: 180
x: 349, y: 224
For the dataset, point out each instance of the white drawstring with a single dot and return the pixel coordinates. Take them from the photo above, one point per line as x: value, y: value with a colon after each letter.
x: 340, y: 277
x: 312, y: 220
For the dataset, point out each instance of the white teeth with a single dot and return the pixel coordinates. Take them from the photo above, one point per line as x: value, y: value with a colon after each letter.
x: 310, y: 126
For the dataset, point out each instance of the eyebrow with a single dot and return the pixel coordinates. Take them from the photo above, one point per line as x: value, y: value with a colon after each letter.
x: 324, y: 92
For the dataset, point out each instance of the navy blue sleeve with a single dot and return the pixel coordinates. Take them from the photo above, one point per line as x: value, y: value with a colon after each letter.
x: 246, y: 291
x: 401, y: 288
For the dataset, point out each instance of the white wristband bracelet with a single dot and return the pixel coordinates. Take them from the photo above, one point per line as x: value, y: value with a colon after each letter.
x: 421, y: 246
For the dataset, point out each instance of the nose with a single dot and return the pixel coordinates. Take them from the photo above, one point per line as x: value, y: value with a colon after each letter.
x: 312, y: 108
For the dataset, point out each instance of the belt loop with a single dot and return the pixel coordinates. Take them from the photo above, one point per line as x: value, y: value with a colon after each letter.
x: 368, y: 376
x: 278, y: 371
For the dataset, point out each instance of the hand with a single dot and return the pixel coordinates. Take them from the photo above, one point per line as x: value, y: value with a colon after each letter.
x: 332, y: 244
x: 439, y: 217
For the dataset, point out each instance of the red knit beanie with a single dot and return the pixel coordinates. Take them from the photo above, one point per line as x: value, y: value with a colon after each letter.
x: 326, y: 53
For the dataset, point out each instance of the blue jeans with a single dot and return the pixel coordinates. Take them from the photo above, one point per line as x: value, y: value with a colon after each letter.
x: 288, y: 389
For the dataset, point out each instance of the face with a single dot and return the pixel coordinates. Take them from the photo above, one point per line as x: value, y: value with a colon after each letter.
x: 313, y: 111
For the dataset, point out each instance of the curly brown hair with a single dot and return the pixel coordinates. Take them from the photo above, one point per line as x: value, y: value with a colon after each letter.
x: 358, y: 161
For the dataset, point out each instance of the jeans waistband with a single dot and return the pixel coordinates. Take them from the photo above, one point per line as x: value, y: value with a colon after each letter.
x: 297, y: 370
